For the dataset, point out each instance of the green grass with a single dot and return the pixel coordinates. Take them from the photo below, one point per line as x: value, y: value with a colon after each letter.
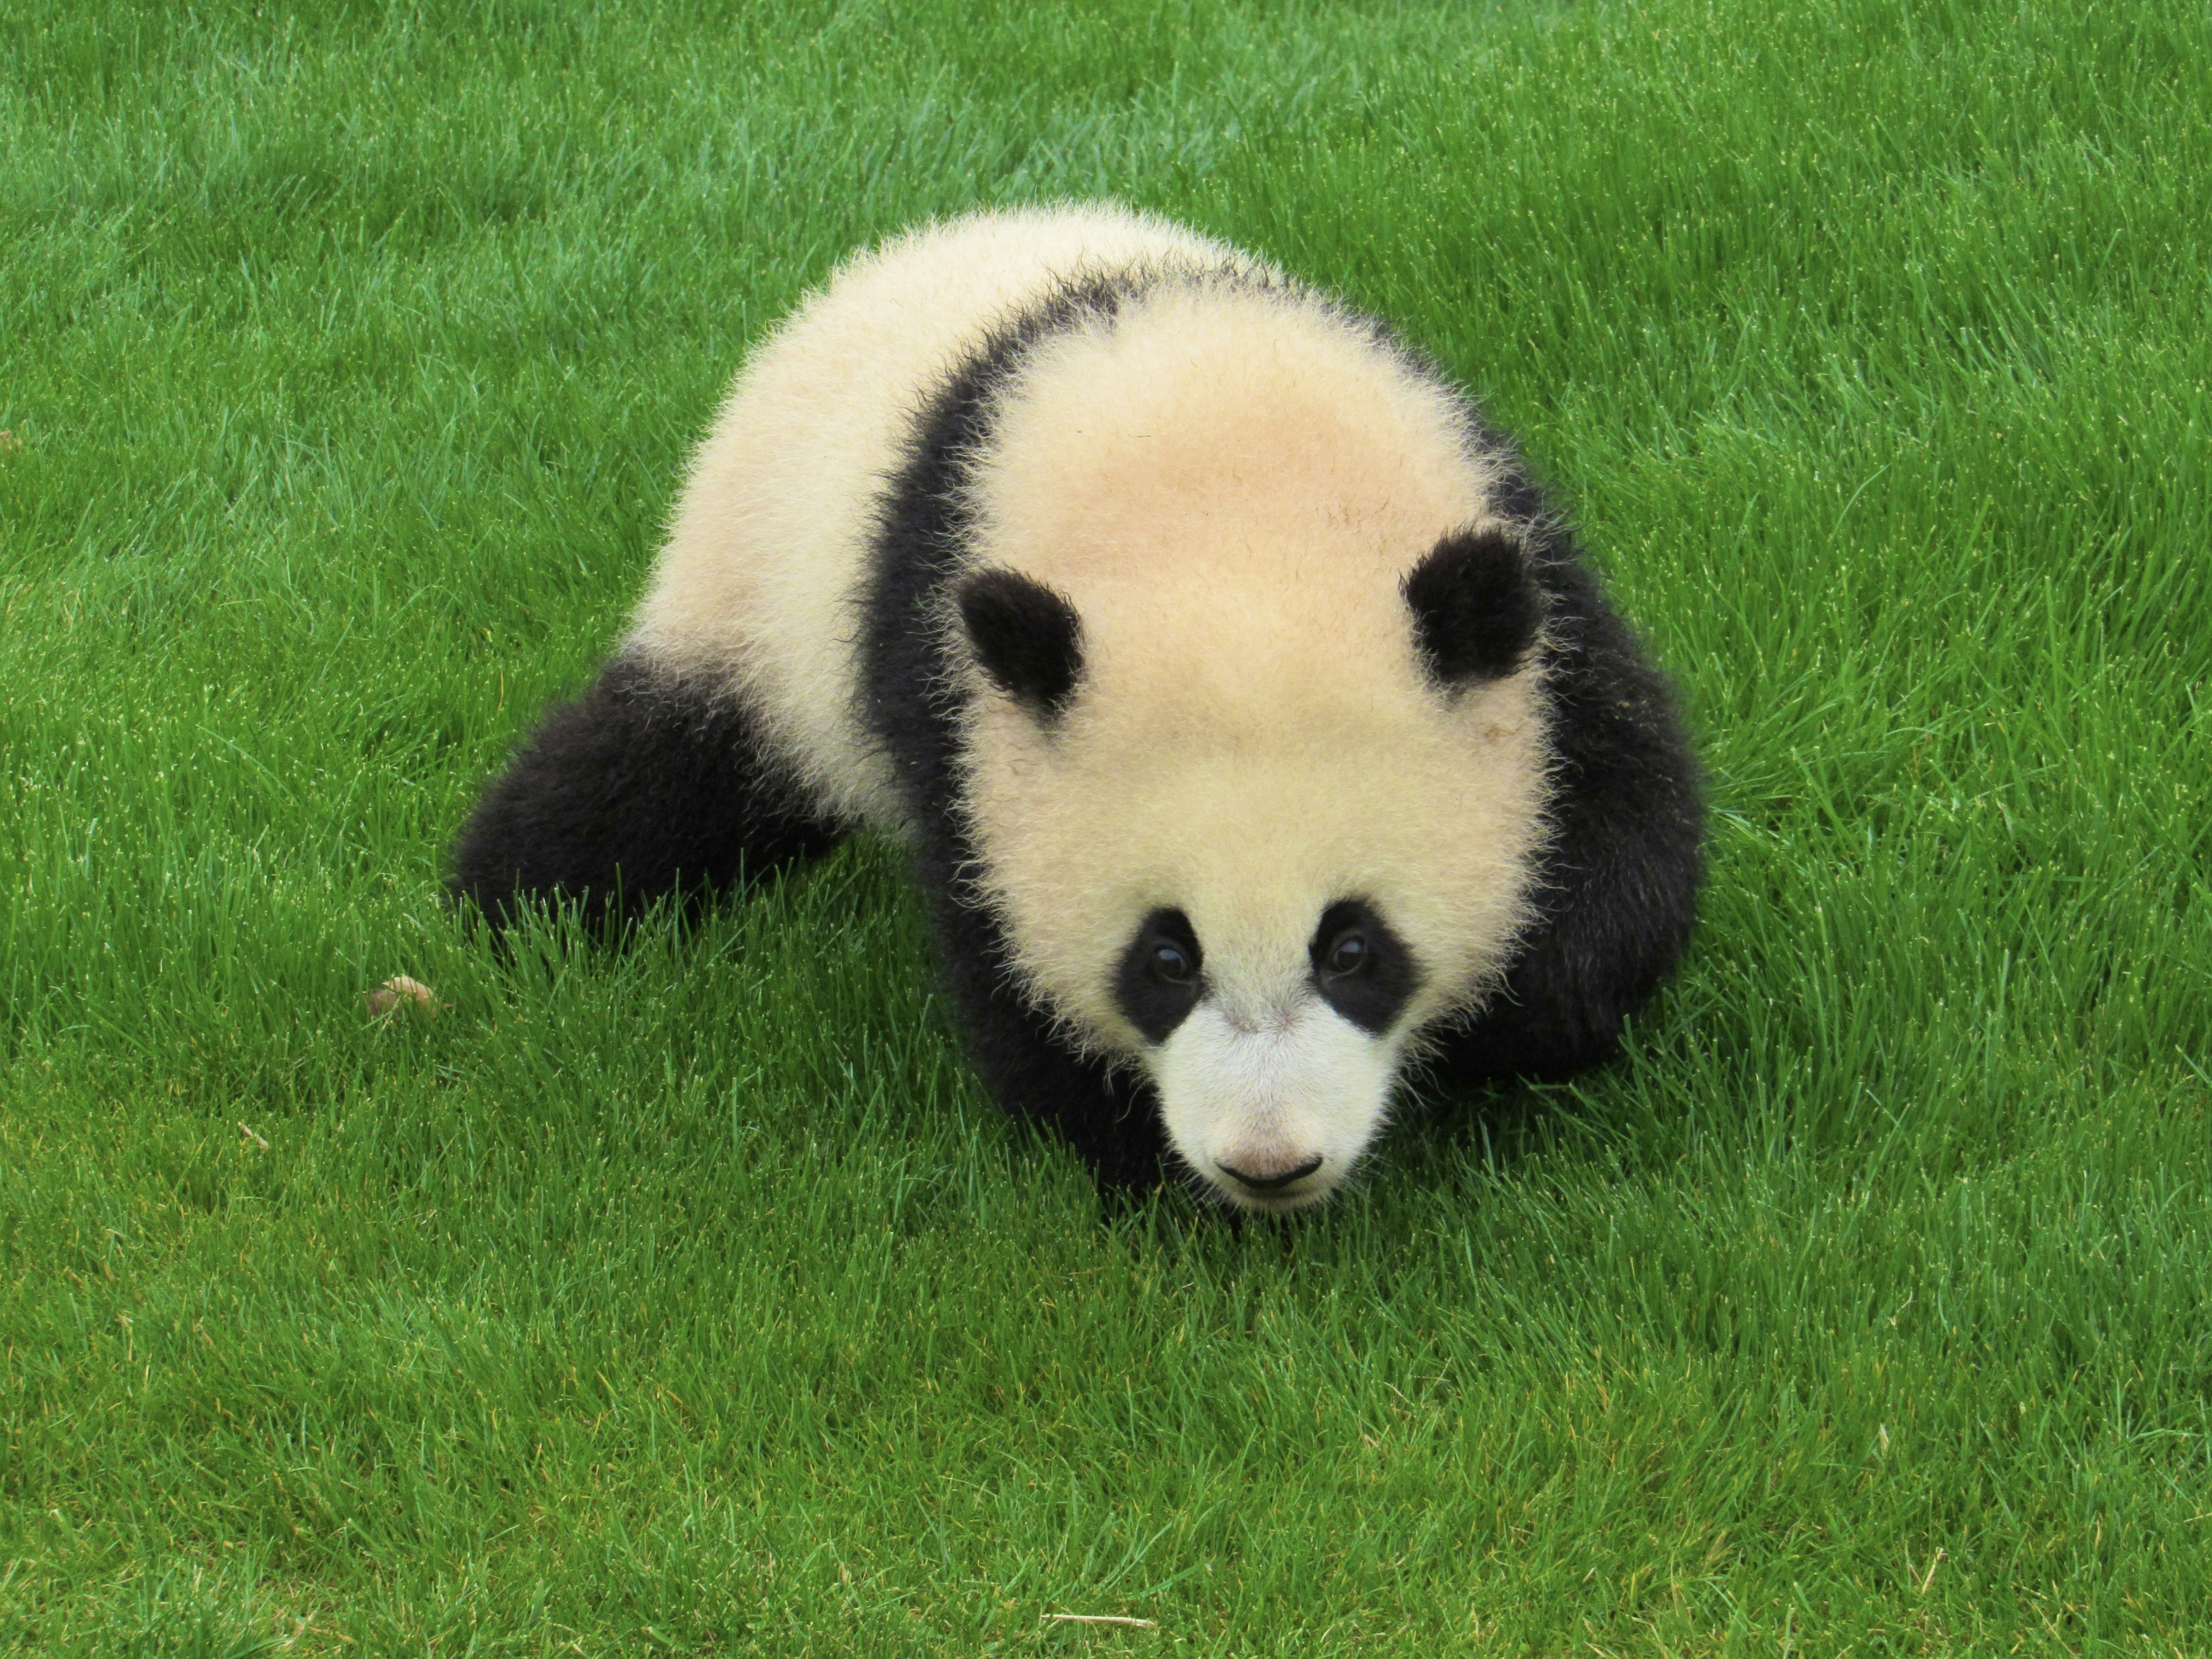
x: 696, y: 1300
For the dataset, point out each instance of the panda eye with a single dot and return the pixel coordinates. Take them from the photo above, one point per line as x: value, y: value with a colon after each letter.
x: 1362, y: 969
x: 1162, y: 975
x: 1349, y: 953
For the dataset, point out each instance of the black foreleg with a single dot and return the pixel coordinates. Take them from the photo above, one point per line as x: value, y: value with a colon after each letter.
x: 646, y: 785
x: 1106, y: 1115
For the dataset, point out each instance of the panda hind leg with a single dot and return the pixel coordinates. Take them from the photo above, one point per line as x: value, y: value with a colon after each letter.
x: 646, y: 786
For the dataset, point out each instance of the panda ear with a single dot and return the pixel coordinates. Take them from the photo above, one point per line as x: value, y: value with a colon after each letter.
x: 1475, y: 607
x: 1027, y: 637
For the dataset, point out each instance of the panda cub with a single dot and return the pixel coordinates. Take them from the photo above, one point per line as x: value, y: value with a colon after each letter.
x: 1255, y: 728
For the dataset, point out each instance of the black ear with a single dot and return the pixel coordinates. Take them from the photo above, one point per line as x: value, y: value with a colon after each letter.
x: 1028, y: 638
x: 1475, y: 606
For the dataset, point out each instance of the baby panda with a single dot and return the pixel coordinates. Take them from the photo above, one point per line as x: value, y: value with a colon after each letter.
x: 1255, y: 728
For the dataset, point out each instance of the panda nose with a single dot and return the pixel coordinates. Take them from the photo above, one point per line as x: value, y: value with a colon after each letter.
x: 1258, y: 1181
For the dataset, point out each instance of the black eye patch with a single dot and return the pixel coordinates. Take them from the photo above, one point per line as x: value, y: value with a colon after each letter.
x: 1361, y: 969
x: 1161, y: 978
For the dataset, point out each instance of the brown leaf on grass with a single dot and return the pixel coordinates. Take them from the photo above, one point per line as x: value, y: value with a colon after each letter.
x: 400, y: 992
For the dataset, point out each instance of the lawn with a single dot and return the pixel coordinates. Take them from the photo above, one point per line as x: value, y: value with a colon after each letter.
x: 695, y: 1299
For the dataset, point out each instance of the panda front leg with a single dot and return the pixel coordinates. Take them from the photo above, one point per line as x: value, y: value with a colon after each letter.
x: 650, y: 784
x: 1106, y: 1115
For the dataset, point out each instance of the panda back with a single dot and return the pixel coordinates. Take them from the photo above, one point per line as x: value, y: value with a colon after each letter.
x: 758, y: 589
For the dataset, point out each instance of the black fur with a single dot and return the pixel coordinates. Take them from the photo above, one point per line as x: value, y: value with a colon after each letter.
x: 1373, y: 994
x: 1475, y: 609
x: 1028, y: 638
x: 643, y: 787
x: 1154, y: 1004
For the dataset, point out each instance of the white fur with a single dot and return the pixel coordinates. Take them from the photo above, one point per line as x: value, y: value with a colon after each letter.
x: 1264, y: 1096
x: 1229, y: 483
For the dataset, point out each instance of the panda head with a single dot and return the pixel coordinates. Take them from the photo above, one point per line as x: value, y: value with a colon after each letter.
x: 1254, y: 838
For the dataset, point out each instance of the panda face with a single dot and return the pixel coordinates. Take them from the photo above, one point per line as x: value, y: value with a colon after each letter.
x: 1273, y: 1076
